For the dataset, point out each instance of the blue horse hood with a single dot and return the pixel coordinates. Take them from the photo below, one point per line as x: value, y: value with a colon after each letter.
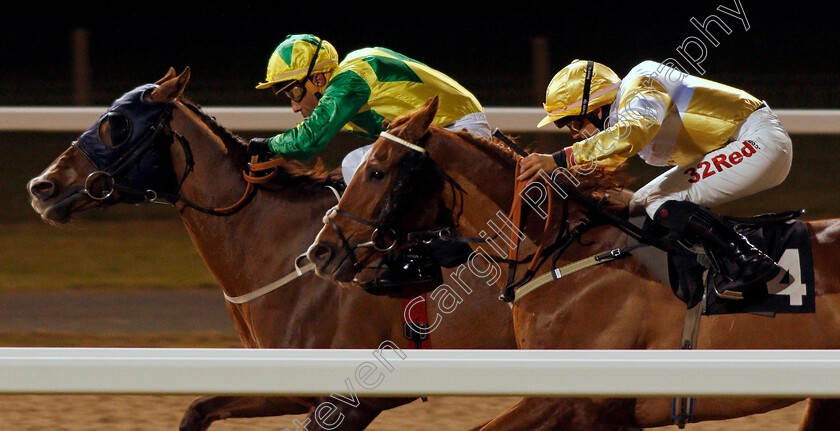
x: 139, y: 161
x: 142, y: 116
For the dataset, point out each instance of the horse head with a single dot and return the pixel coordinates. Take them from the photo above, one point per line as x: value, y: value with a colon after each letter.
x: 397, y: 191
x: 122, y: 157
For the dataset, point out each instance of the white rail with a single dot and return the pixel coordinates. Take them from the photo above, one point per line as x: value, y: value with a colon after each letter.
x: 392, y: 372
x: 241, y: 119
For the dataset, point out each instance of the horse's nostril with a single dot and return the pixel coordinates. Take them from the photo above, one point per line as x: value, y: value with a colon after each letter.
x: 320, y: 254
x: 42, y: 189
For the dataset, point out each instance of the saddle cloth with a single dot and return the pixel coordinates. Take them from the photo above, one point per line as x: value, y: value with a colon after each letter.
x: 784, y: 239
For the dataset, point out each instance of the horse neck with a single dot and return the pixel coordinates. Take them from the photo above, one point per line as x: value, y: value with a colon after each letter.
x: 487, y: 181
x: 257, y: 244
x: 215, y: 180
x: 487, y: 176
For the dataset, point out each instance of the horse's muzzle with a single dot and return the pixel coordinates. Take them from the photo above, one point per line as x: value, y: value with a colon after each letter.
x: 330, y: 262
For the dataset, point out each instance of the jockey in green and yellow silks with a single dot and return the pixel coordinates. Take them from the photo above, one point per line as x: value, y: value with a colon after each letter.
x: 361, y: 94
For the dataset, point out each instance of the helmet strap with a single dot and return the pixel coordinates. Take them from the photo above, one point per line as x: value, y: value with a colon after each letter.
x: 584, y: 102
x: 313, y: 61
x: 587, y: 85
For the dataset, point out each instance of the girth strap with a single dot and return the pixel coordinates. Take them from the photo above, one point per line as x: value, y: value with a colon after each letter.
x: 557, y: 273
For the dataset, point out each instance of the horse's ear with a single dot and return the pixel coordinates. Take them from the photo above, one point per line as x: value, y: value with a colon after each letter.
x: 171, y: 88
x: 169, y: 75
x: 419, y: 123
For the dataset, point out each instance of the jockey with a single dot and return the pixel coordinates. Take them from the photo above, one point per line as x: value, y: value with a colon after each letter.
x: 363, y: 94
x: 724, y: 144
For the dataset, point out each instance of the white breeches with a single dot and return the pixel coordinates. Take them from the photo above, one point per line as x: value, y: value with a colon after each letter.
x: 759, y: 158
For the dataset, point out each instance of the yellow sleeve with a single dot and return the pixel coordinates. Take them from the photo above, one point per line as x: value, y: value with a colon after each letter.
x: 641, y: 111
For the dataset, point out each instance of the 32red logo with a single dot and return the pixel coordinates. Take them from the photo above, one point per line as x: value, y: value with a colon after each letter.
x: 707, y: 168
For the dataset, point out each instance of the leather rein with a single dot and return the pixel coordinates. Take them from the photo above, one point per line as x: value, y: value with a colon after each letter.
x: 594, y: 215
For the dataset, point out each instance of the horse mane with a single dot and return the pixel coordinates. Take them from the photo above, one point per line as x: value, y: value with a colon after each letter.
x: 290, y: 173
x: 592, y: 181
x: 597, y: 183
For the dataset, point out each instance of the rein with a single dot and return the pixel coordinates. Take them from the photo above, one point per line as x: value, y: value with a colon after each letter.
x: 515, y: 290
x: 254, y: 294
x: 539, y: 257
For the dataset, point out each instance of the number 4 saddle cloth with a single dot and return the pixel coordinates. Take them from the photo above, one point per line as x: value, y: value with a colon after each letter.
x: 781, y: 236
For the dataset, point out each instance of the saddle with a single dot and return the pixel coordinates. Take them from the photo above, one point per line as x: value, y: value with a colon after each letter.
x: 692, y: 277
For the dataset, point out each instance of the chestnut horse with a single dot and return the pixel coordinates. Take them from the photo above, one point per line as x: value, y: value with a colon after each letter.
x: 458, y: 181
x: 252, y: 247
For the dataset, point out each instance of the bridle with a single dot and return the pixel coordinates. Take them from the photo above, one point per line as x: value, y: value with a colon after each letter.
x: 556, y: 237
x: 153, y: 137
x: 130, y: 159
x: 389, y: 233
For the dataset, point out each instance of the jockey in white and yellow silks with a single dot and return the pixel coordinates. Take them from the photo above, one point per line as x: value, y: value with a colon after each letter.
x: 369, y: 88
x: 724, y: 144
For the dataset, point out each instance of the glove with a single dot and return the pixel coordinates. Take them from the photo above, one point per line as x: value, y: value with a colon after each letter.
x: 258, y: 147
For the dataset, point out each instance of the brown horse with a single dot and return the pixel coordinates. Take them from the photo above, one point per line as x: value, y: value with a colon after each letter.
x: 203, y: 163
x: 458, y: 181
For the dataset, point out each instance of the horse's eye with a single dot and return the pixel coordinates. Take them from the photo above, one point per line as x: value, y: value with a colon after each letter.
x: 377, y: 175
x: 119, y: 128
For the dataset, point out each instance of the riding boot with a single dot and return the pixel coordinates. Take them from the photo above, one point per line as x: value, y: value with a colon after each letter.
x: 744, y: 267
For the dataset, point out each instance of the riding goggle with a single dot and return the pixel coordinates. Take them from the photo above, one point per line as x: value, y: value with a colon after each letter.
x: 575, y: 123
x: 295, y: 92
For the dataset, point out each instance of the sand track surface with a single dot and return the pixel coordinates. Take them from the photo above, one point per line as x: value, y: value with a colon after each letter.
x: 197, y: 318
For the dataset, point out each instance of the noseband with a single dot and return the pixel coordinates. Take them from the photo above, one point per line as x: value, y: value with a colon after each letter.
x: 332, y: 213
x: 384, y: 231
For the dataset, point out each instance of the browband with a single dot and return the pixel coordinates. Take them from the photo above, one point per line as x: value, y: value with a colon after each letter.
x: 402, y: 141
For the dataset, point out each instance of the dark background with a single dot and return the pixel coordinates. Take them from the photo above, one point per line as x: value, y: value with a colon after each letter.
x: 786, y: 57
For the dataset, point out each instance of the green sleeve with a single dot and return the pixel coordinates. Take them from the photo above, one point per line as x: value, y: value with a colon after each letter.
x: 345, y: 95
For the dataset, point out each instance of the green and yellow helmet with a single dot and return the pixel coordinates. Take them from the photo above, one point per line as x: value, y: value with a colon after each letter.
x: 578, y: 89
x: 297, y: 57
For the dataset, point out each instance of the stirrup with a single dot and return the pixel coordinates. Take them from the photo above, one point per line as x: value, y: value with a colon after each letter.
x: 732, y: 295
x: 738, y: 295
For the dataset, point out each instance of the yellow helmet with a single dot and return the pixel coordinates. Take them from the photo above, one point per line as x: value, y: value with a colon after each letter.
x: 578, y: 89
x: 297, y: 57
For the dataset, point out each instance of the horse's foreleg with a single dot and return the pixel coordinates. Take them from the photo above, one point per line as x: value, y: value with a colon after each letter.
x: 568, y: 414
x: 205, y: 410
x: 821, y: 415
x: 334, y: 415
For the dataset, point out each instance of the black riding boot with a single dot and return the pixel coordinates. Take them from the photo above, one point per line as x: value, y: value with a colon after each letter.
x: 744, y: 267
